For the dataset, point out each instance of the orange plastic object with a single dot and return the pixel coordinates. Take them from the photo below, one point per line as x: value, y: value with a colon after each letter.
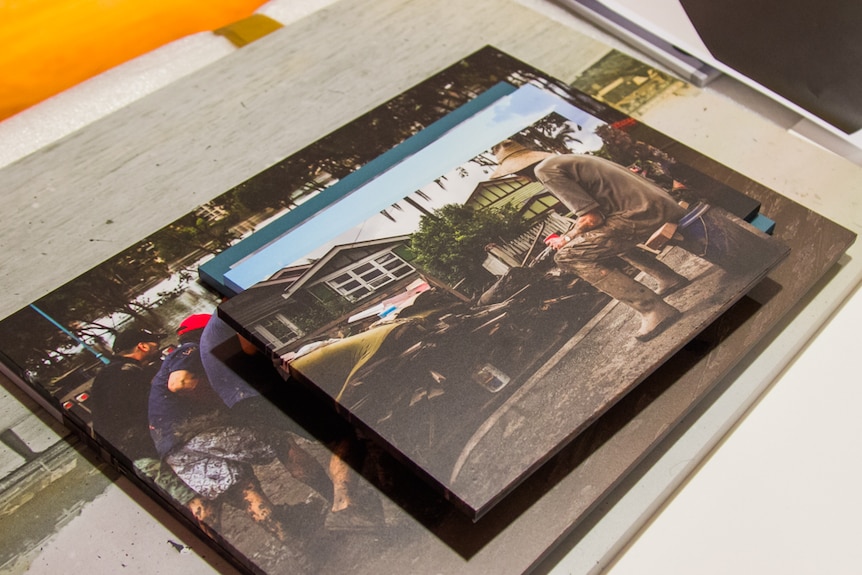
x: 51, y: 45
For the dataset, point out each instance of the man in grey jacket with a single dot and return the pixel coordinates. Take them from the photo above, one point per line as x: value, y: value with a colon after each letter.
x: 616, y: 209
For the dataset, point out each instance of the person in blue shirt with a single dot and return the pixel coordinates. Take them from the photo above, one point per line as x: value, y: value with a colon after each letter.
x: 257, y: 396
x: 195, y: 435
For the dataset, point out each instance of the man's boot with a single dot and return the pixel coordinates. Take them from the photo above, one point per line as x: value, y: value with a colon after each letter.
x: 668, y: 280
x: 656, y: 314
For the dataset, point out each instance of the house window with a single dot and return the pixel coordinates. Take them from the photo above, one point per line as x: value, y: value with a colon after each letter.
x: 368, y: 276
x: 322, y: 292
x: 211, y: 212
x: 539, y: 206
x: 277, y: 330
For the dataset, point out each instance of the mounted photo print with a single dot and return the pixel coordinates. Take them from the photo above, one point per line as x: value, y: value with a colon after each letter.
x: 476, y: 322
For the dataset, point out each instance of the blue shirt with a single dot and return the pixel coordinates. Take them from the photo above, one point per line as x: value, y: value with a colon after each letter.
x: 177, y: 416
x: 227, y: 367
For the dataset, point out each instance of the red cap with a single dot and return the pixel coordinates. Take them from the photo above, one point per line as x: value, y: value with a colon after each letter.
x: 193, y: 322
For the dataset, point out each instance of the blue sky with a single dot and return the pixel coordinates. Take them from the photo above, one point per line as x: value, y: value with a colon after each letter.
x: 360, y: 210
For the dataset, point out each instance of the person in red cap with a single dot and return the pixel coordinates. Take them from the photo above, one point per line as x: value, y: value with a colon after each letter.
x: 194, y: 435
x: 193, y: 322
x: 257, y: 396
x: 615, y: 209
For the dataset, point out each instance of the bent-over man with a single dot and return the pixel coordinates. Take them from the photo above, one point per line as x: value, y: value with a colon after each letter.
x: 615, y: 209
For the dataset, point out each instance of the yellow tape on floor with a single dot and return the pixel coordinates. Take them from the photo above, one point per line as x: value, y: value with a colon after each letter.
x: 248, y: 30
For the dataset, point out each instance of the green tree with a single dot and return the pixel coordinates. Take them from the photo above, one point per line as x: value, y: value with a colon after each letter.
x: 553, y: 133
x: 113, y: 287
x: 450, y: 244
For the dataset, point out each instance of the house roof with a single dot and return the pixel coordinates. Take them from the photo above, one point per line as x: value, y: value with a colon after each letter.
x: 320, y: 264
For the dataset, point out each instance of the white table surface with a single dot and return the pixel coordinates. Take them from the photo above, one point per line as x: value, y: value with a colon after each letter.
x: 781, y: 492
x: 765, y: 478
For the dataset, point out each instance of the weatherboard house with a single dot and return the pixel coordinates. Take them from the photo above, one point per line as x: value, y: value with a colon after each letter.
x: 356, y: 283
x: 535, y: 204
x: 309, y: 300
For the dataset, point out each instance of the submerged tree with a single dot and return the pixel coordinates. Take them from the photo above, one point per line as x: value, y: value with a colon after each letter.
x: 450, y: 244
